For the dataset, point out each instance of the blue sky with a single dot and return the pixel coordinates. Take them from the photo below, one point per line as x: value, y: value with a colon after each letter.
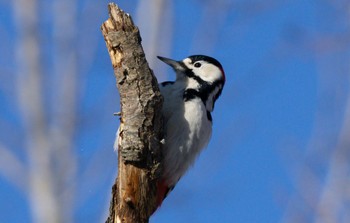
x: 287, y: 75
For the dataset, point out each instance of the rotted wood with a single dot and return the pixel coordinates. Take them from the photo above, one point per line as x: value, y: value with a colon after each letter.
x: 139, y: 147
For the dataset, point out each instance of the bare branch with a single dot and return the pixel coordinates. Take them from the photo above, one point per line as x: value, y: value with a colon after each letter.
x: 134, y: 194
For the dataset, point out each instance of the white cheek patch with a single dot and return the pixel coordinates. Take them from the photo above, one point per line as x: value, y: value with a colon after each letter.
x: 210, y: 73
x: 207, y: 72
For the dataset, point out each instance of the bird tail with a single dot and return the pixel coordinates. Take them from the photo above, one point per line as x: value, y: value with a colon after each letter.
x: 162, y: 191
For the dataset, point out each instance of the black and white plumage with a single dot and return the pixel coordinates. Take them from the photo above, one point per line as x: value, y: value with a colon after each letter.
x: 188, y: 103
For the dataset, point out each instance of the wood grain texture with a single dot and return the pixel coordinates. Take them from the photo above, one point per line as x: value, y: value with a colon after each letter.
x: 139, y: 147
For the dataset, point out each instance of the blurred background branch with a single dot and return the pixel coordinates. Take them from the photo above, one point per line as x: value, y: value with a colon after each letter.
x: 41, y: 184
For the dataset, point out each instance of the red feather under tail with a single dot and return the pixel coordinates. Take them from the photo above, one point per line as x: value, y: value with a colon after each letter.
x: 162, y: 191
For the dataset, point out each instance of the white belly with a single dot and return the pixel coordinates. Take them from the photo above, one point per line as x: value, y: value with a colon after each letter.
x: 183, y: 141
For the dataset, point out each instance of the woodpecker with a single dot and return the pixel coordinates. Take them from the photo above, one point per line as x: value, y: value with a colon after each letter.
x: 187, y: 107
x: 188, y: 103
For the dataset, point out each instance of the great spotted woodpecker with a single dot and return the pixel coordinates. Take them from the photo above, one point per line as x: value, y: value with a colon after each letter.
x: 188, y: 103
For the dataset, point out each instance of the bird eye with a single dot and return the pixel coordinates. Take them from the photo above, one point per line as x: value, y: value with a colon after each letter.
x: 197, y: 65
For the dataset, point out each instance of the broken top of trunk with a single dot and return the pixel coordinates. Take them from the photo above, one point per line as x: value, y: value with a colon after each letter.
x: 139, y: 148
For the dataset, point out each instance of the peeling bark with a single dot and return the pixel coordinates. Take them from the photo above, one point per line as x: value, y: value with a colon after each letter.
x: 139, y: 154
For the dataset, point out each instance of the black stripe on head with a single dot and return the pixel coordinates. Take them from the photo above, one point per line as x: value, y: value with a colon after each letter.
x: 204, y: 87
x: 211, y: 60
x: 195, y: 58
x: 189, y: 73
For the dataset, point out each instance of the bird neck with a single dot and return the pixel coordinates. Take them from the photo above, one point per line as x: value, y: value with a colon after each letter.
x: 208, y: 93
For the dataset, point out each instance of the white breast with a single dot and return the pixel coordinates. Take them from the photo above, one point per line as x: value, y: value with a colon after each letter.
x: 187, y: 129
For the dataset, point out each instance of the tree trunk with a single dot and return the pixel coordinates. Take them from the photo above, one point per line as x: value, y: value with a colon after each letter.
x: 140, y: 133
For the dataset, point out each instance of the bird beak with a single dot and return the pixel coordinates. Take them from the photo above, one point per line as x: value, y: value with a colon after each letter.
x: 176, y: 65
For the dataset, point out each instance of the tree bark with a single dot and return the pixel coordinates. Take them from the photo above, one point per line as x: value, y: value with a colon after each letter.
x: 140, y: 132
